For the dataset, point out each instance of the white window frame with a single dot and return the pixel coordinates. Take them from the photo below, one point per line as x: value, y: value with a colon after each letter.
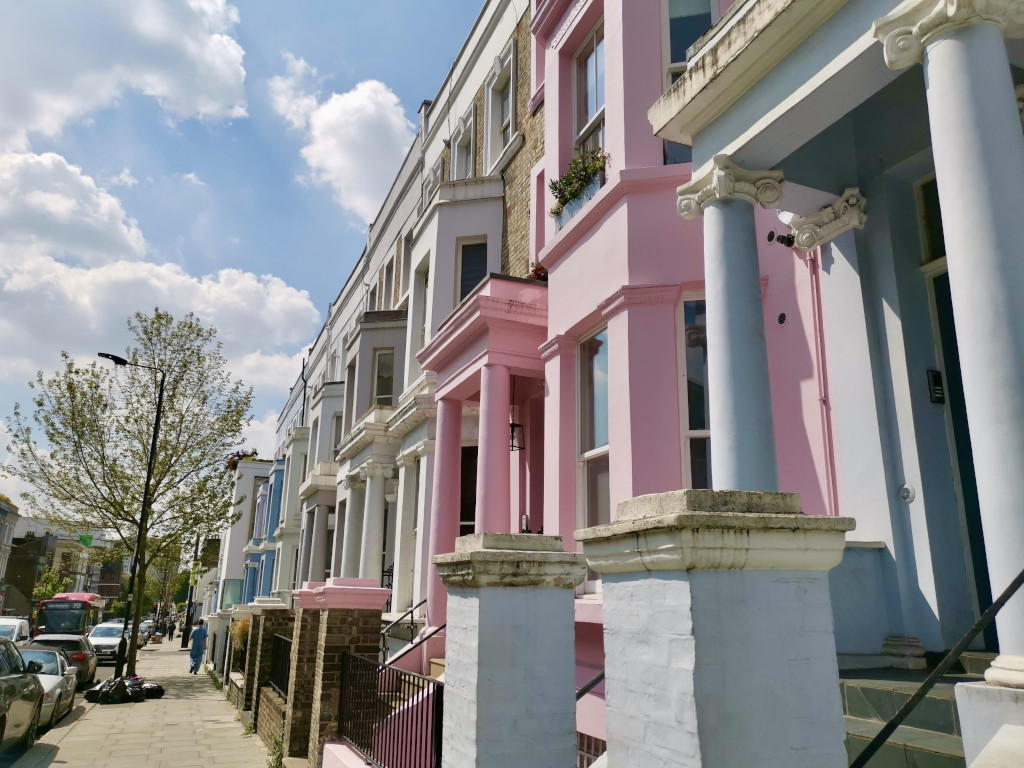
x: 375, y: 396
x: 670, y: 67
x: 460, y: 244
x: 497, y: 152
x: 371, y: 299
x: 596, y: 123
x: 433, y: 181
x: 589, y: 586
x: 685, y: 433
x: 465, y: 136
x: 388, y: 299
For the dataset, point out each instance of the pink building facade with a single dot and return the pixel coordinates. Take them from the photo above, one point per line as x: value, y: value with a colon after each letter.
x: 600, y: 377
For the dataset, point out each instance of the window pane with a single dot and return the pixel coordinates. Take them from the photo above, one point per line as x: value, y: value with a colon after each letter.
x: 385, y: 380
x: 594, y: 392
x: 504, y: 102
x: 700, y: 462
x: 688, y: 20
x: 599, y: 73
x: 696, y: 364
x: 598, y: 501
x: 474, y: 268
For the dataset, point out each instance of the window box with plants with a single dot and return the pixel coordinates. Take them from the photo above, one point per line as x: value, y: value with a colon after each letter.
x: 574, y: 188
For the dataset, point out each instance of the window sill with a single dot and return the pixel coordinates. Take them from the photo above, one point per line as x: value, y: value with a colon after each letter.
x: 510, y: 151
x: 575, y: 206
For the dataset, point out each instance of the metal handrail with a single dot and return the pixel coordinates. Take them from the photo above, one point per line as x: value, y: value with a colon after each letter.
x: 416, y: 644
x: 588, y: 687
x: 386, y: 632
x: 890, y: 727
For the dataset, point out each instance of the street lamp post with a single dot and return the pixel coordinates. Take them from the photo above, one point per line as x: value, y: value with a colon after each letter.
x: 144, y: 515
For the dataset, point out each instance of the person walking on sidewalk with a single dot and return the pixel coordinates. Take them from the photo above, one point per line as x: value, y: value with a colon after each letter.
x: 198, y: 639
x: 170, y: 630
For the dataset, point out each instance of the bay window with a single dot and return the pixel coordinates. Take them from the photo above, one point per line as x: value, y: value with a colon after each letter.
x: 593, y: 429
x: 697, y: 425
x: 383, y: 377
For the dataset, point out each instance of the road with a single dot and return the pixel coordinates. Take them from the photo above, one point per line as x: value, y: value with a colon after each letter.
x: 192, y: 725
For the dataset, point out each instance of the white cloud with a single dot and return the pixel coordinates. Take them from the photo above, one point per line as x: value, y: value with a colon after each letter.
x: 60, y: 63
x: 261, y: 434
x: 123, y: 179
x: 277, y: 371
x: 191, y: 178
x: 355, y: 141
x: 73, y: 268
x: 49, y: 206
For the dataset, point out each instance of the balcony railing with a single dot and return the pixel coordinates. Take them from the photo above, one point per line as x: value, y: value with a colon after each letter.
x: 280, y: 663
x: 391, y: 716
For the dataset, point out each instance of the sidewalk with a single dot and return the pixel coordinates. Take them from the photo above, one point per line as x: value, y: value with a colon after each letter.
x: 192, y: 725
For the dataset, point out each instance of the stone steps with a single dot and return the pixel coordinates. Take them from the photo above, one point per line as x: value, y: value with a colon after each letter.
x: 929, y: 738
x: 976, y: 662
x: 436, y: 668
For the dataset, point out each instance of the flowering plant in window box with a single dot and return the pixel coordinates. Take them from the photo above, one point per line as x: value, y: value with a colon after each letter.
x: 539, y: 273
x: 579, y: 183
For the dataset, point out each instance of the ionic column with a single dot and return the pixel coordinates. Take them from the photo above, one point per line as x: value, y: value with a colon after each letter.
x: 353, y: 534
x: 978, y: 148
x: 371, y: 555
x: 559, y: 356
x: 444, y: 517
x: 743, y: 435
x: 405, y: 544
x: 305, y: 546
x: 337, y: 547
x: 493, y: 472
x: 318, y: 550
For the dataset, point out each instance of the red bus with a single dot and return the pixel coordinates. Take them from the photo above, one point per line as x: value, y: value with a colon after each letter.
x: 69, y: 613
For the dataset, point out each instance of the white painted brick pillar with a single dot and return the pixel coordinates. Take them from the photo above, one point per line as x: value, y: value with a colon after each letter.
x: 510, y: 675
x: 719, y: 649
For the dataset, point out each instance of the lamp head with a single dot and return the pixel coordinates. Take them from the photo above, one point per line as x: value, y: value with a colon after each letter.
x: 115, y: 359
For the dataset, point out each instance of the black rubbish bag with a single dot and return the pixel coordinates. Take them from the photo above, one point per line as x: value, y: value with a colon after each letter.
x: 117, y: 690
x: 153, y: 690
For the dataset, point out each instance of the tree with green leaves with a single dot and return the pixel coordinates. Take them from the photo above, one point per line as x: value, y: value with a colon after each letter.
x: 83, y: 449
x: 50, y: 583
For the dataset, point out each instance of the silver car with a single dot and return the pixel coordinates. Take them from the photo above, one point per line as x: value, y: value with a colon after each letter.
x: 104, y: 638
x: 59, y: 680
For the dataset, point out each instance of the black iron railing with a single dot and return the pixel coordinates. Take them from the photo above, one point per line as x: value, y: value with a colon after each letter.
x: 890, y: 728
x: 391, y: 716
x: 387, y: 577
x: 590, y: 685
x: 280, y: 663
x: 386, y: 632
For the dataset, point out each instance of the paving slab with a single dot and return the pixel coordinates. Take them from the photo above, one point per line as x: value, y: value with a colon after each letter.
x: 192, y: 725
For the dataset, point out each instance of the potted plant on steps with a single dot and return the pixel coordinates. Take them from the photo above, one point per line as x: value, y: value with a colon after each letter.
x: 581, y: 181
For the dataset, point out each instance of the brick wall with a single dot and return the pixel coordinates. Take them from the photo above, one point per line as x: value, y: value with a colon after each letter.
x: 341, y: 631
x: 270, y: 725
x: 305, y: 635
x: 271, y: 622
x: 249, y: 669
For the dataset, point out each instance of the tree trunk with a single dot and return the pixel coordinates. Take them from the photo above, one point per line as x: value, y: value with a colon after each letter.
x: 140, y: 585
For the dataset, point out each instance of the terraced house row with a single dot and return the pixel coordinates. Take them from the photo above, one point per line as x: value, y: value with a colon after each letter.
x: 780, y: 255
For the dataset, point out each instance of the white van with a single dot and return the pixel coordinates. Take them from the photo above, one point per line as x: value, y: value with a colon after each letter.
x: 14, y: 629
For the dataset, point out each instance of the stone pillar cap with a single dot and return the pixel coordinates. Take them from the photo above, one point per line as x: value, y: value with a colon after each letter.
x: 260, y: 604
x: 352, y: 594
x: 510, y: 560
x: 715, y: 530
x: 306, y: 597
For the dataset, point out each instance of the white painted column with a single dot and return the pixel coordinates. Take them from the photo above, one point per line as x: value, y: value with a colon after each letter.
x: 718, y: 639
x: 305, y: 546
x: 405, y: 543
x: 743, y: 435
x: 353, y: 535
x: 494, y: 469
x: 318, y: 548
x: 421, y: 568
x: 978, y: 146
x: 444, y: 512
x: 337, y: 549
x: 371, y: 554
x: 510, y: 674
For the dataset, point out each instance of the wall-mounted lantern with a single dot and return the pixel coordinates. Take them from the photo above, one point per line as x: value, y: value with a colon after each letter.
x: 517, y: 438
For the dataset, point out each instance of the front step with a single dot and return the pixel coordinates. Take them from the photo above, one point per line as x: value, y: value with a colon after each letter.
x: 906, y: 748
x: 977, y: 662
x: 930, y: 736
x: 436, y: 668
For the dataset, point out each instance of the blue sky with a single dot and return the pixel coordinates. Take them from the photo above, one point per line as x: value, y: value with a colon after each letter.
x: 206, y: 156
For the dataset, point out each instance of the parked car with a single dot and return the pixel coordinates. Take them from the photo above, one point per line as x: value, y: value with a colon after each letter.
x: 14, y: 629
x: 59, y: 679
x: 21, y: 698
x: 104, y: 639
x: 79, y: 651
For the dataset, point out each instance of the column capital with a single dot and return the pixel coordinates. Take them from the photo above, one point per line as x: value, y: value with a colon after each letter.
x: 639, y: 295
x: 910, y: 27
x: 353, y: 481
x: 723, y: 179
x: 376, y: 469
x: 831, y: 221
x: 407, y: 460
